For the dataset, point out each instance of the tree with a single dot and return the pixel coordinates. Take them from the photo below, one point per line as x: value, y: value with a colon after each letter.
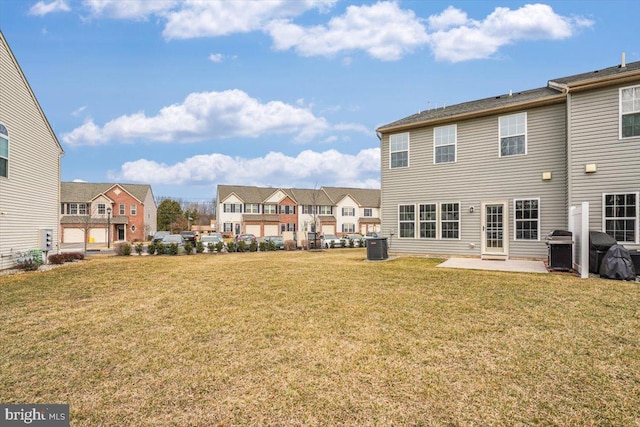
x: 90, y: 221
x: 169, y: 213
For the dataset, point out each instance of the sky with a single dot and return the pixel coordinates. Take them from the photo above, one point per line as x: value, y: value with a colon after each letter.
x: 187, y: 95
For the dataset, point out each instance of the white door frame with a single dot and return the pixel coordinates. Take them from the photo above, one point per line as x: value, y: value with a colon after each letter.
x: 490, y: 251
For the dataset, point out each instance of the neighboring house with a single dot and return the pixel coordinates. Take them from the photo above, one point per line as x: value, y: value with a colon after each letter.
x: 29, y: 165
x: 273, y: 211
x: 102, y: 213
x: 492, y: 177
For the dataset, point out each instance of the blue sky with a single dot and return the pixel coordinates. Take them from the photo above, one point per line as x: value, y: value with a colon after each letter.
x: 185, y: 95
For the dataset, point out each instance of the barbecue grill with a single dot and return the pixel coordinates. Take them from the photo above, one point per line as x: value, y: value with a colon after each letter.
x: 560, y: 250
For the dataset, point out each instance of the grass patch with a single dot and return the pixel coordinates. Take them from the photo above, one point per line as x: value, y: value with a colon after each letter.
x: 320, y: 338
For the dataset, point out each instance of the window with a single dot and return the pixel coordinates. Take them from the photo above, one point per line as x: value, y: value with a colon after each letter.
x: 348, y: 228
x: 527, y: 218
x: 307, y: 209
x: 253, y: 208
x: 450, y: 220
x: 629, y: 112
x: 134, y: 209
x: 122, y: 209
x: 232, y: 207
x: 406, y: 220
x: 133, y: 228
x: 287, y: 209
x: 4, y: 152
x: 513, y: 135
x: 102, y: 209
x: 227, y: 227
x: 326, y: 210
x: 291, y: 226
x: 82, y: 208
x: 444, y: 144
x: 73, y: 208
x: 348, y: 211
x: 399, y: 150
x: 621, y: 216
x: 269, y: 209
x: 428, y: 221
x: 368, y: 212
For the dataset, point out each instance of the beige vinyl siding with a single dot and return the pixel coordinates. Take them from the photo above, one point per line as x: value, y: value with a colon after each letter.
x: 594, y: 139
x: 150, y: 214
x: 480, y: 175
x: 29, y: 198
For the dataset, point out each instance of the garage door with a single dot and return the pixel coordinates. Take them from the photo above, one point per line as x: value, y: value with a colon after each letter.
x: 271, y: 230
x: 329, y: 229
x: 73, y: 235
x: 253, y: 229
x: 99, y: 235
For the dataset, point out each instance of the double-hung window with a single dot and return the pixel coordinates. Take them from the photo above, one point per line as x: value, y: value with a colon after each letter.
x: 444, y: 144
x: 621, y: 216
x: 399, y: 150
x: 367, y: 212
x: 122, y: 209
x: 252, y: 208
x: 513, y: 135
x: 428, y: 221
x: 348, y: 211
x: 102, y: 209
x: 269, y: 209
x: 450, y: 220
x: 325, y: 210
x: 133, y: 209
x: 73, y: 208
x: 407, y: 221
x: 630, y: 112
x: 527, y: 219
x: 227, y: 227
x: 348, y: 228
x: 307, y: 209
x: 82, y: 209
x: 233, y: 207
x: 4, y: 152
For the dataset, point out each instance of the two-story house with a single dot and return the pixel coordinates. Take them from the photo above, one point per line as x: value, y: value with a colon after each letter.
x: 492, y: 177
x: 266, y: 211
x: 105, y: 213
x: 29, y: 166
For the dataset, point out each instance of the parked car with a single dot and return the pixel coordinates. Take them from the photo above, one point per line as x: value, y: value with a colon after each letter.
x: 157, y: 237
x: 357, y: 238
x: 277, y: 240
x: 247, y: 238
x: 173, y: 238
x: 189, y: 236
x: 211, y: 238
x: 371, y: 235
x: 327, y: 239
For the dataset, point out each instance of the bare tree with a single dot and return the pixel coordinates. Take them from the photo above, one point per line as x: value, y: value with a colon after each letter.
x: 89, y: 221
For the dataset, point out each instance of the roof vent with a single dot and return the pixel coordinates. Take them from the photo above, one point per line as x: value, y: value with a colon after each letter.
x: 624, y: 61
x: 510, y: 92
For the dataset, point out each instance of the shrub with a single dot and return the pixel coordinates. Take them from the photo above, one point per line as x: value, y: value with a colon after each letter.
x: 290, y: 245
x: 173, y: 249
x: 161, y: 249
x: 151, y: 249
x: 139, y: 248
x: 219, y: 246
x: 56, y: 259
x: 271, y: 246
x: 123, y: 249
x: 188, y: 248
x: 242, y: 246
x: 29, y: 264
x: 352, y: 243
x: 231, y: 247
x: 199, y: 247
x: 253, y: 246
x: 332, y: 244
x: 211, y: 247
x: 262, y: 246
x: 343, y: 243
x: 361, y: 243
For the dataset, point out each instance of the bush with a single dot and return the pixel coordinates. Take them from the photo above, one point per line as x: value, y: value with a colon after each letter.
x: 219, y: 246
x: 199, y: 247
x: 290, y: 245
x: 343, y: 243
x: 29, y: 264
x: 253, y: 246
x: 188, y: 248
x: 139, y: 248
x: 271, y: 246
x: 262, y: 246
x: 352, y: 243
x: 123, y: 249
x: 56, y: 259
x: 231, y: 247
x: 161, y: 249
x: 151, y: 249
x: 332, y: 244
x: 211, y: 247
x: 242, y: 246
x: 173, y: 249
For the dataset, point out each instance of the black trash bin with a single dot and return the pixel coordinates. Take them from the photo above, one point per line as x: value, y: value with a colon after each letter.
x: 377, y: 249
x: 599, y: 244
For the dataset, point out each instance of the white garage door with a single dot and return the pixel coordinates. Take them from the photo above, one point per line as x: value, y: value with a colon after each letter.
x: 99, y: 235
x: 253, y: 229
x: 329, y: 229
x: 73, y: 235
x: 271, y: 230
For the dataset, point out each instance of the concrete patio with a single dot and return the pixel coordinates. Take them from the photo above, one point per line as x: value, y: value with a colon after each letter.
x: 508, y: 265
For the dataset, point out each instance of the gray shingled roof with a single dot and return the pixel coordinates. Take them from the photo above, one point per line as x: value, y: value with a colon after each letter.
x: 310, y: 197
x: 87, y: 191
x: 248, y: 194
x: 326, y: 196
x: 507, y: 100
x: 363, y: 196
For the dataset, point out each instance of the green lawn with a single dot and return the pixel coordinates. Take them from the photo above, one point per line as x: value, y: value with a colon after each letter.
x: 320, y: 338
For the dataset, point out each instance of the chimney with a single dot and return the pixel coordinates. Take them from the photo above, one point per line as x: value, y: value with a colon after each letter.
x: 624, y: 61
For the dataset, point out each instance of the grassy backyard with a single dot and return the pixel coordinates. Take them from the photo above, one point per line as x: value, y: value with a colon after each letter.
x: 318, y: 339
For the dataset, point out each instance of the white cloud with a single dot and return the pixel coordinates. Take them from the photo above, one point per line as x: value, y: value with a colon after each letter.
x: 129, y: 9
x: 329, y: 167
x: 42, y: 8
x: 216, y: 57
x: 383, y: 30
x: 210, y: 115
x: 455, y: 40
x: 79, y: 111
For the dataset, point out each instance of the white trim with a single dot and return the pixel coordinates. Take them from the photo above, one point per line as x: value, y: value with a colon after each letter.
x: 620, y: 137
x: 636, y: 218
x: 484, y: 254
x: 515, y: 227
x: 455, y: 144
x: 437, y: 221
x: 459, y: 221
x: 500, y: 136
x: 414, y: 220
x: 399, y: 151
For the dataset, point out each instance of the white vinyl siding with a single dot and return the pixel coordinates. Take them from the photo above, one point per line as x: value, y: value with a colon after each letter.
x: 399, y: 151
x: 620, y: 216
x: 526, y: 215
x: 630, y: 112
x: 407, y: 221
x: 513, y: 135
x: 444, y: 144
x: 348, y: 211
